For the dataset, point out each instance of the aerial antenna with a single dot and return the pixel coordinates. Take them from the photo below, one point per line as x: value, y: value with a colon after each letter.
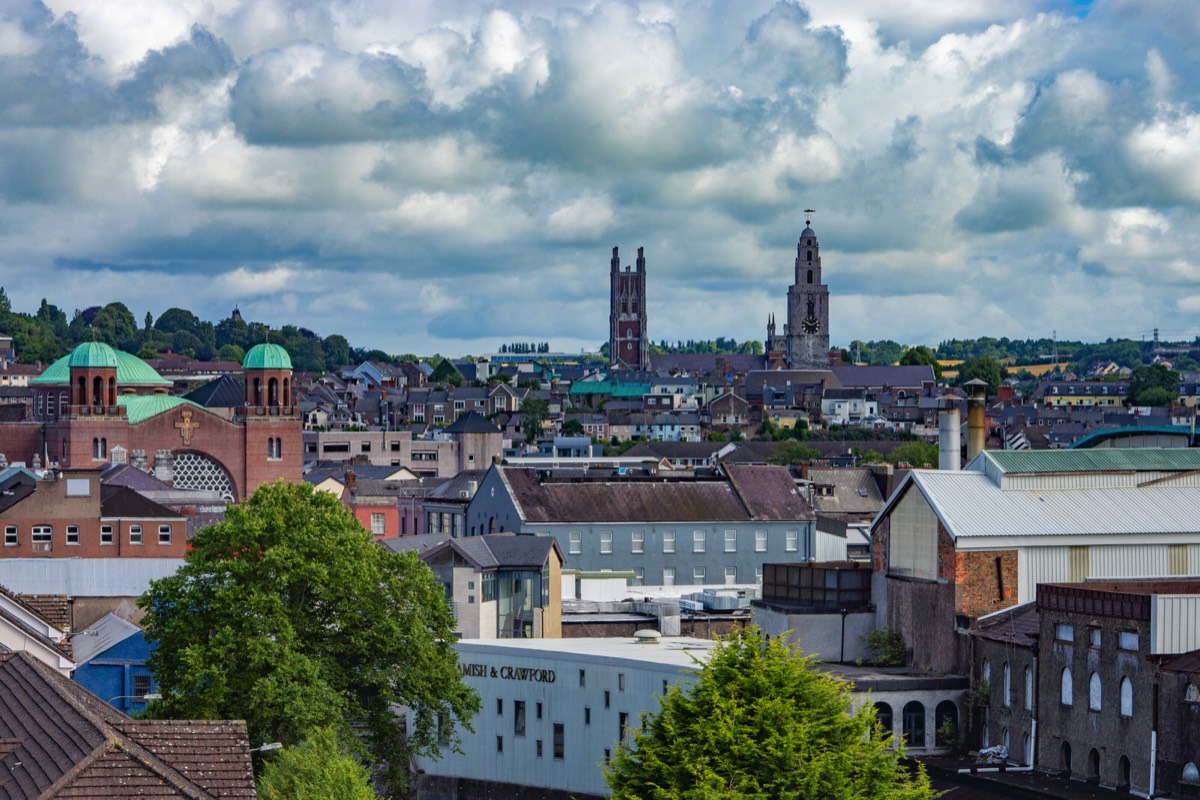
x: 808, y: 212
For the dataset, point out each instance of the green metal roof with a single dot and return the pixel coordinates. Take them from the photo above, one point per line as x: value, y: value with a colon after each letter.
x: 92, y: 354
x: 267, y: 356
x: 139, y: 408
x: 592, y: 387
x: 1103, y: 459
x: 631, y: 389
x: 1096, y: 437
x: 131, y: 371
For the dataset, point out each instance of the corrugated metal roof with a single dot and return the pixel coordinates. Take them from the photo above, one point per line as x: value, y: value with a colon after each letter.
x: 1108, y: 459
x: 969, y: 504
x: 84, y: 577
x: 139, y: 408
x: 109, y: 630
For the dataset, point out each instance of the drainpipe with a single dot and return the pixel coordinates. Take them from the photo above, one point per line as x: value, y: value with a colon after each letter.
x: 1153, y: 742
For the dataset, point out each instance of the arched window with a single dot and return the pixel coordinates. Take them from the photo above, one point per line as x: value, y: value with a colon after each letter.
x: 1028, y: 689
x: 1094, y: 692
x: 810, y: 276
x: 1192, y: 693
x: 1027, y: 749
x: 1064, y: 757
x: 1123, y: 770
x: 103, y: 447
x: 95, y: 448
x: 273, y: 392
x: 82, y: 391
x: 97, y: 391
x: 986, y: 673
x: 1004, y: 740
x: 1007, y: 685
x: 287, y: 392
x: 1094, y: 765
x: 914, y: 724
x: 1067, y: 689
x: 1191, y: 773
x: 810, y: 261
x: 945, y: 720
x: 112, y: 391
x: 883, y: 713
x: 1126, y: 697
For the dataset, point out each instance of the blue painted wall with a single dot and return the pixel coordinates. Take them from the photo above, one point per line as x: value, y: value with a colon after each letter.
x: 110, y: 674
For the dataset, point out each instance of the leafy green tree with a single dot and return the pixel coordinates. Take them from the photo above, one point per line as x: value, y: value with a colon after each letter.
x: 988, y: 370
x: 177, y: 319
x: 760, y: 723
x: 572, y: 427
x: 1157, y: 397
x: 535, y: 411
x: 919, y: 454
x: 920, y: 355
x: 231, y: 352
x: 791, y: 451
x: 287, y: 614
x: 1144, y: 380
x: 319, y: 768
x: 337, y: 351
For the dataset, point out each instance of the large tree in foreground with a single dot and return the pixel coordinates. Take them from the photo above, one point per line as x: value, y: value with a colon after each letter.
x: 760, y: 723
x: 288, y: 615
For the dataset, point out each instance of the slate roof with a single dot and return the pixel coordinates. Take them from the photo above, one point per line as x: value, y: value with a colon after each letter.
x: 854, y: 491
x: 472, y: 422
x: 224, y: 392
x: 766, y: 493
x: 500, y: 550
x: 1017, y: 625
x: 63, y: 741
x: 123, y: 502
x: 877, y: 377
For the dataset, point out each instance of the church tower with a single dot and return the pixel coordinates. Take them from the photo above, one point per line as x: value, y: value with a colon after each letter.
x: 628, y: 347
x: 807, y: 329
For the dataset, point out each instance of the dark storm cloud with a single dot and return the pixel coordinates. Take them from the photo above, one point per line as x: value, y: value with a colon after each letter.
x: 201, y: 59
x: 310, y: 94
x: 54, y: 81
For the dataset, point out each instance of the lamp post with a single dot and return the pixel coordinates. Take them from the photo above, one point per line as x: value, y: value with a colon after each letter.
x: 143, y: 698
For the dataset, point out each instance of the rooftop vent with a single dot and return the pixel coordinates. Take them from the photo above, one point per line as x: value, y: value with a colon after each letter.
x: 646, y: 636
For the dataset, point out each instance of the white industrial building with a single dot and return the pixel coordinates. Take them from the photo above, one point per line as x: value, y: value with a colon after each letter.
x: 552, y: 711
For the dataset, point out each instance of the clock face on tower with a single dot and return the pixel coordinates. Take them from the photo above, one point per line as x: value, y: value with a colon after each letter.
x: 810, y: 325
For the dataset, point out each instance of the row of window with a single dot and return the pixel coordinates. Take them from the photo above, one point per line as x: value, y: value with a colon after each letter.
x: 637, y: 541
x: 1006, y: 695
x: 913, y: 722
x: 1126, y: 640
x: 559, y: 729
x: 1095, y: 692
x: 44, y: 534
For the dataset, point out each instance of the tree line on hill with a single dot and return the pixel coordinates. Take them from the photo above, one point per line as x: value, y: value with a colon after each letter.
x: 47, y: 335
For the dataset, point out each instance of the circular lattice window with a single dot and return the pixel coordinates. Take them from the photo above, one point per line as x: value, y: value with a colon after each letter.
x: 198, y: 471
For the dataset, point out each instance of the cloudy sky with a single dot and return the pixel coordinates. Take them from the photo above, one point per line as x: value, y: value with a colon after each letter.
x: 424, y: 176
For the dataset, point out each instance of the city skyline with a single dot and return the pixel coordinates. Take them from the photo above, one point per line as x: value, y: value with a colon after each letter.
x: 427, y: 178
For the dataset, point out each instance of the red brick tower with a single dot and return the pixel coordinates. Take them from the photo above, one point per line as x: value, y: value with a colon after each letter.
x: 273, y: 441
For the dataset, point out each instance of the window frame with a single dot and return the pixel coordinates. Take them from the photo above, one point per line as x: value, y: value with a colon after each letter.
x: 668, y: 541
x: 730, y: 540
x: 12, y: 536
x: 107, y: 535
x: 135, y: 535
x: 41, y: 534
x: 699, y: 542
x: 164, y: 530
x: 637, y: 542
x: 72, y: 534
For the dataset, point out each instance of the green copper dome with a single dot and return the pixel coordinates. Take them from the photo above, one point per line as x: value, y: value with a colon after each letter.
x: 92, y: 354
x: 131, y: 370
x: 267, y: 356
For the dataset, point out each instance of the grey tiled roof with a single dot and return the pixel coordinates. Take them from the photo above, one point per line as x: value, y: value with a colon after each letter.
x: 58, y: 735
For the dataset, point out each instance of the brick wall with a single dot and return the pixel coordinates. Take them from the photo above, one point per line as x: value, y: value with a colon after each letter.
x: 986, y: 581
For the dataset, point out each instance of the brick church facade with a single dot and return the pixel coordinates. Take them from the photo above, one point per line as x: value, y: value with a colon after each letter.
x: 97, y: 405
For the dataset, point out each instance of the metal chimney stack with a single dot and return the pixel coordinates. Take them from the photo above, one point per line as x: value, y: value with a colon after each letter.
x: 976, y: 417
x: 949, y: 435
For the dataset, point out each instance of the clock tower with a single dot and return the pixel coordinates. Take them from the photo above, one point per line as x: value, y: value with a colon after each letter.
x: 807, y: 329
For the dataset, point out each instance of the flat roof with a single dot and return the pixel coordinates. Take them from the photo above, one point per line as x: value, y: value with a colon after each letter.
x: 670, y: 651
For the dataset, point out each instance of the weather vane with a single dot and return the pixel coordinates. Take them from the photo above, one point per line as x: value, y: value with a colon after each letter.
x: 808, y: 212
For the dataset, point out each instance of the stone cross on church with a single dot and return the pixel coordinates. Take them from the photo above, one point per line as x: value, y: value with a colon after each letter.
x: 186, y: 426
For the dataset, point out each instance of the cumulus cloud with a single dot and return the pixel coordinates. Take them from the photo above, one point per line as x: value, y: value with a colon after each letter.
x: 432, y: 176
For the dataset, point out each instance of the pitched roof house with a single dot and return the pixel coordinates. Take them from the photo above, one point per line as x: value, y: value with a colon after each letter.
x: 59, y: 740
